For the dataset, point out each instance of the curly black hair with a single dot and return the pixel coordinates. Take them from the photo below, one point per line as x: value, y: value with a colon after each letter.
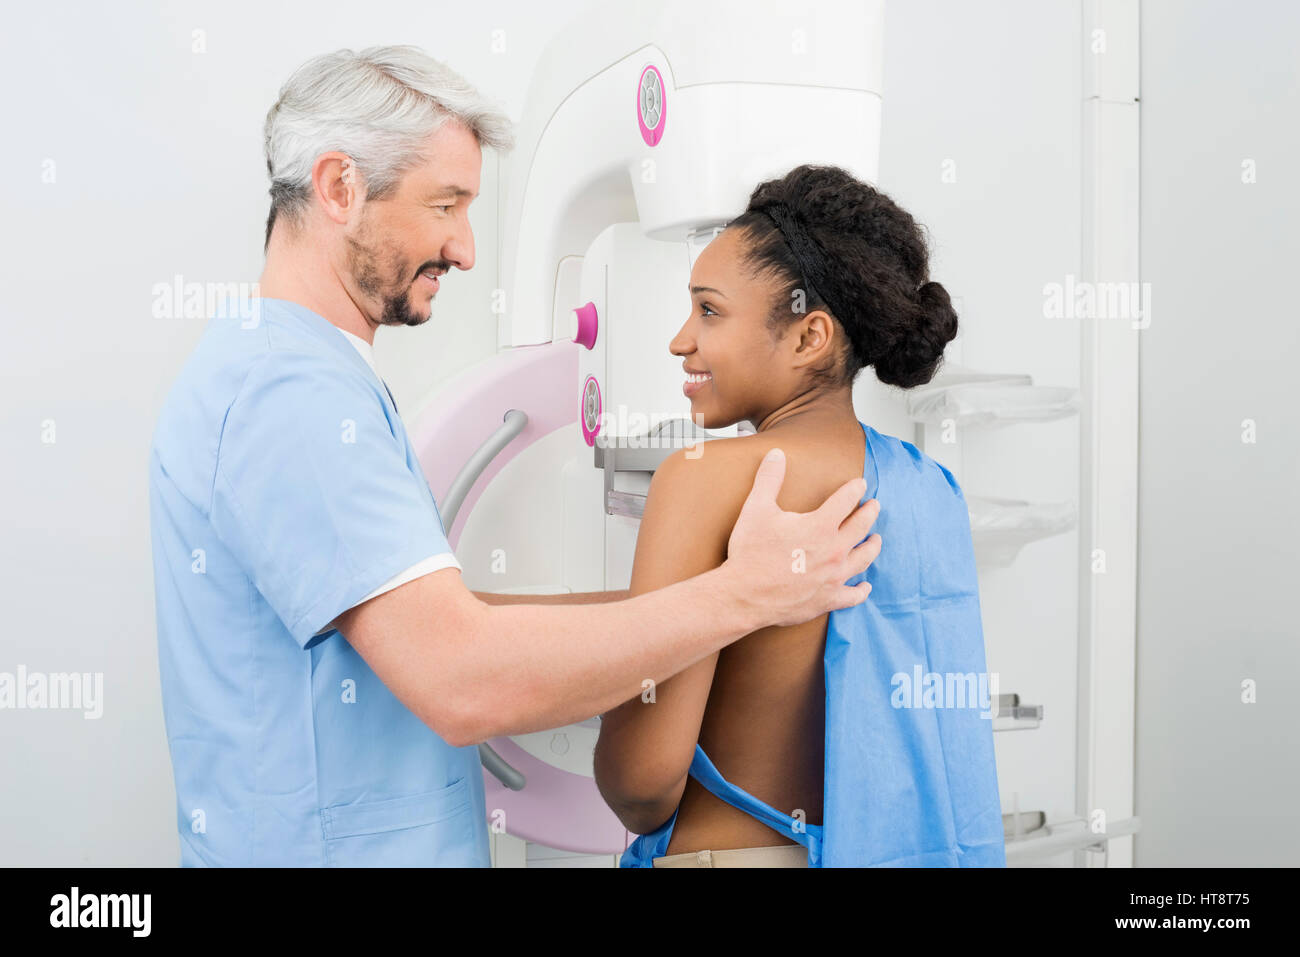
x: 873, y: 264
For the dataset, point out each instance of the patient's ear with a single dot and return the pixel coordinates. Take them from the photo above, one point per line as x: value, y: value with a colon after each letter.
x: 816, y: 337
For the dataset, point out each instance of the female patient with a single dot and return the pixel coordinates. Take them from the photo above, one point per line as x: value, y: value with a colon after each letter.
x: 767, y: 344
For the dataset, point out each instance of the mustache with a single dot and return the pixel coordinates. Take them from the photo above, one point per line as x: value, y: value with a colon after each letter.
x: 440, y: 264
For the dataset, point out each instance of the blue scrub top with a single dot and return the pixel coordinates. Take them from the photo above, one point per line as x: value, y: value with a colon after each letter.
x: 283, y: 491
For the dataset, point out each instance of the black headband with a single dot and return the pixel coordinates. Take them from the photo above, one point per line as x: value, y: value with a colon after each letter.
x: 806, y: 252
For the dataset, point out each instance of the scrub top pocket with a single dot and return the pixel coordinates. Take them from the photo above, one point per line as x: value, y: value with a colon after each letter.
x: 408, y: 831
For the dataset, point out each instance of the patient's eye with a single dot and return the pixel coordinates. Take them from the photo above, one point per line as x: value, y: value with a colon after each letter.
x: 705, y: 305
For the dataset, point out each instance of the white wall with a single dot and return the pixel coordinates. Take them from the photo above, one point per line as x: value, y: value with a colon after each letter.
x: 1218, y: 546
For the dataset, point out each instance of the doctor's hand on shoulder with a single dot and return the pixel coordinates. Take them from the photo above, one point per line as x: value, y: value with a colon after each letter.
x: 795, y: 564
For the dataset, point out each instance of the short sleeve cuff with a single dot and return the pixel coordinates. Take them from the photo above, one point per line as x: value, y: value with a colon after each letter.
x: 412, y: 564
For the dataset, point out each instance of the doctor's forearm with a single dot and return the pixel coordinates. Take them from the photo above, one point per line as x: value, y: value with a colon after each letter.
x: 534, y: 667
x: 563, y: 598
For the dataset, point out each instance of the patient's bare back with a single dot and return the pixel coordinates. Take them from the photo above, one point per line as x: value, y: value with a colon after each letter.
x: 763, y: 726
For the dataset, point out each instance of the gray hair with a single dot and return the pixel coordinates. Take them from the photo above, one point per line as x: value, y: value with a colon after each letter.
x: 377, y: 106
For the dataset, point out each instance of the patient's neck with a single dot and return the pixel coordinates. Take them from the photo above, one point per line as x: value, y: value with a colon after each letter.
x: 819, y: 408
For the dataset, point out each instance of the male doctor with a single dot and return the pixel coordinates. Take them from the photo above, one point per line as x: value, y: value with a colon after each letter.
x: 326, y: 674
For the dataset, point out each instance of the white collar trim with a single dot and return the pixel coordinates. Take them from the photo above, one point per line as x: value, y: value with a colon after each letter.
x: 362, y: 347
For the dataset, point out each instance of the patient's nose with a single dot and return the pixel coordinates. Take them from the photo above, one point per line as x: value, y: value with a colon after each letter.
x: 682, y: 344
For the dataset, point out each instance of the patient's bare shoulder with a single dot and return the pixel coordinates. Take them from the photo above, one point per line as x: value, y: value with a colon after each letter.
x: 718, y: 473
x: 725, y: 469
x: 694, y: 500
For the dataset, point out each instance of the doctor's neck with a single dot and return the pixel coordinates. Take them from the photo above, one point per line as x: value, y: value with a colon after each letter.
x: 300, y: 269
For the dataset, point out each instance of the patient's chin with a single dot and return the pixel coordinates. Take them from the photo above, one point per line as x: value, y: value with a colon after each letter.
x: 711, y: 420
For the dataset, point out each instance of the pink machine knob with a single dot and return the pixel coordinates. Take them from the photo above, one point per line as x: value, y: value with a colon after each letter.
x: 587, y: 325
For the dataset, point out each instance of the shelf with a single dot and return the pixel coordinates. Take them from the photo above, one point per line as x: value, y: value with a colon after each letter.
x: 1021, y: 718
x: 1000, y: 527
x: 1073, y: 835
x: 987, y: 400
x: 1011, y: 715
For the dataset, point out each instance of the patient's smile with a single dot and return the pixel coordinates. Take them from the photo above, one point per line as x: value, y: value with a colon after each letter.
x: 694, y: 382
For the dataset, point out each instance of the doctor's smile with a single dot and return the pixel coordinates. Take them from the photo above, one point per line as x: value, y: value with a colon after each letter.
x: 430, y: 277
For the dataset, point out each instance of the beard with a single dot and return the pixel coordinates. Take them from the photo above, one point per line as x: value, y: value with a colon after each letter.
x: 383, y: 276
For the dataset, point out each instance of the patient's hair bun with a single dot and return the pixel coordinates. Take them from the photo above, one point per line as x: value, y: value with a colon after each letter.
x: 913, y: 356
x: 872, y: 268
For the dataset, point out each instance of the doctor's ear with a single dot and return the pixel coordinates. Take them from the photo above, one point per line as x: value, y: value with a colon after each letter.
x: 337, y: 185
